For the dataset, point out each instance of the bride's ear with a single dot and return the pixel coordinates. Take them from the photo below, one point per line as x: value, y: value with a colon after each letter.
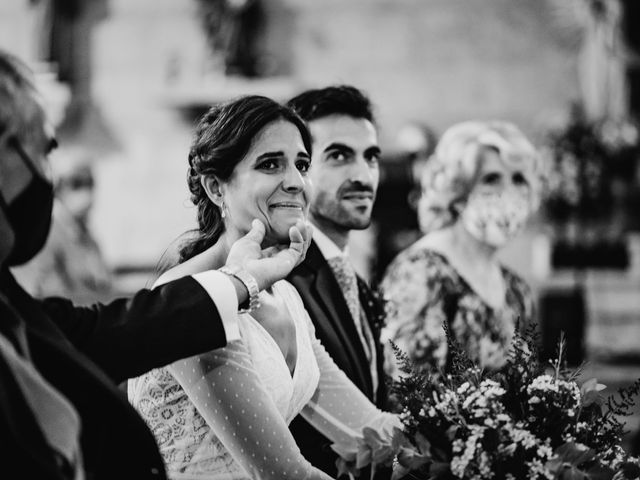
x: 212, y: 187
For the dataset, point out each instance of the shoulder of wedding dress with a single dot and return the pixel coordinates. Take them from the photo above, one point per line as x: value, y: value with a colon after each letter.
x: 289, y: 293
x: 174, y: 274
x: 284, y: 285
x: 162, y: 279
x: 287, y: 287
x: 167, y: 277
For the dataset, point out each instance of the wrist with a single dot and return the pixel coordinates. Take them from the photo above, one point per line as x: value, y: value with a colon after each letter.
x: 241, y: 290
x: 259, y: 280
x: 246, y: 287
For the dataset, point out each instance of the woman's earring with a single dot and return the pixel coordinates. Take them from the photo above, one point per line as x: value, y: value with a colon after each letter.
x: 223, y: 210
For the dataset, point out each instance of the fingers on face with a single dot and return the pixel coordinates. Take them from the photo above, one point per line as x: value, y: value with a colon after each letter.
x: 257, y: 231
x: 271, y: 251
x: 295, y: 235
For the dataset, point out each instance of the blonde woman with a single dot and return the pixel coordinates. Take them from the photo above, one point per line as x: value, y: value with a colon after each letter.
x: 478, y: 190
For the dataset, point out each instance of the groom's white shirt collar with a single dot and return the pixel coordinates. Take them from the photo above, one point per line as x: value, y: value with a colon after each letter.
x: 327, y: 247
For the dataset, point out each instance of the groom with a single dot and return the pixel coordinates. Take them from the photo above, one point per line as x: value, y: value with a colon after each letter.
x: 344, y: 172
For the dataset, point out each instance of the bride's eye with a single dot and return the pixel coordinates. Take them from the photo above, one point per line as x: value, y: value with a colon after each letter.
x: 303, y: 165
x: 267, y: 165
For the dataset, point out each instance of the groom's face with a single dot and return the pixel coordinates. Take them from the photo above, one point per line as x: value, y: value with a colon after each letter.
x: 344, y: 171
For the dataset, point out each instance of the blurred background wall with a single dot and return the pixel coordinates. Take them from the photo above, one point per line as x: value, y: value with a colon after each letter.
x: 436, y: 61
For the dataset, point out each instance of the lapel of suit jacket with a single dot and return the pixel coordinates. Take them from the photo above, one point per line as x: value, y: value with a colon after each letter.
x: 103, y: 409
x: 328, y: 291
x: 20, y: 424
x: 41, y: 330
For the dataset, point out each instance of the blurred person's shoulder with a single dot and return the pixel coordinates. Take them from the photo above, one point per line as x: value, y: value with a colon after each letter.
x: 423, y: 257
x: 515, y: 281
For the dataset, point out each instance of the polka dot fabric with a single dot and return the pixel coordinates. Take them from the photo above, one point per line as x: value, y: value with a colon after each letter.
x: 225, y: 414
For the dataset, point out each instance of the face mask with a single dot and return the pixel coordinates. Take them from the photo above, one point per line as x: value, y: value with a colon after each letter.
x: 29, y: 213
x: 495, y: 218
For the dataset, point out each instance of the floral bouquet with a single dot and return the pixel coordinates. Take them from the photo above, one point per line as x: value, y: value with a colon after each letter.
x: 530, y: 420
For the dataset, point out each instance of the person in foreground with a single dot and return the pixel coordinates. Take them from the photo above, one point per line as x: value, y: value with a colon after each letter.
x: 478, y: 190
x: 342, y: 307
x: 61, y: 413
x: 224, y: 414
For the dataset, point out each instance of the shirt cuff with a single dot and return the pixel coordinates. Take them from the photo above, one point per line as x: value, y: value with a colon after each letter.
x: 223, y: 293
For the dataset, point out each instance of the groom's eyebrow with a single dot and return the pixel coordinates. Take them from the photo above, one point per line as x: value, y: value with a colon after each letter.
x: 341, y: 147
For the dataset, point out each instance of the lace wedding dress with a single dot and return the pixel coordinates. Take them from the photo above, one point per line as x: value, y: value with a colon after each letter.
x: 224, y: 414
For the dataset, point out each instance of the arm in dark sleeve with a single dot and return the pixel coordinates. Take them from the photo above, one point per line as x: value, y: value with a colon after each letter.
x: 131, y: 336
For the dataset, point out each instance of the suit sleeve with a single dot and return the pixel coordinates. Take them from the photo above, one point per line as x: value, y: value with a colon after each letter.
x: 129, y: 337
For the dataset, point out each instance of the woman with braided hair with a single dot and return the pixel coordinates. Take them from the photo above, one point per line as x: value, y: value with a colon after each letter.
x: 224, y: 414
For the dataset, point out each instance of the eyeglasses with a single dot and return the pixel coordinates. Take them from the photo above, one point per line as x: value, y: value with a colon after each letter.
x: 45, y: 171
x: 80, y: 182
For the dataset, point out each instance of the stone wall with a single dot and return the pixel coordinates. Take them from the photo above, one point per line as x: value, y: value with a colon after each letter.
x: 439, y: 61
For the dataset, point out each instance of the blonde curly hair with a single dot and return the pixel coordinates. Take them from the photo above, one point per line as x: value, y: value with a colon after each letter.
x: 451, y: 173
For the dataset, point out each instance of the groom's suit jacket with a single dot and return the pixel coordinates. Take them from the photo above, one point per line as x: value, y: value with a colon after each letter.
x: 84, y: 353
x: 329, y: 312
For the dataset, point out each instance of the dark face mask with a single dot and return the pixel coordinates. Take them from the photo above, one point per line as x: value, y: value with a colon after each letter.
x: 29, y: 213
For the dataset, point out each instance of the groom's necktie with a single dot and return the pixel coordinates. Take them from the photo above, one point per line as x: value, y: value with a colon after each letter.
x: 346, y: 277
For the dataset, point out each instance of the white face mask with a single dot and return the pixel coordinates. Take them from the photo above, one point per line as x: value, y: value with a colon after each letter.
x: 495, y: 218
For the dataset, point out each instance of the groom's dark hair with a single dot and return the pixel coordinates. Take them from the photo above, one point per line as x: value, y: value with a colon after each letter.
x: 333, y: 100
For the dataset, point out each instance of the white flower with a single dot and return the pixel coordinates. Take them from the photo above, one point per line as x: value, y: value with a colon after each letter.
x: 460, y: 463
x: 463, y: 388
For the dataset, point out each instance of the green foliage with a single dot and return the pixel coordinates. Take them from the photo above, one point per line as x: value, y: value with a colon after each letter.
x: 528, y: 420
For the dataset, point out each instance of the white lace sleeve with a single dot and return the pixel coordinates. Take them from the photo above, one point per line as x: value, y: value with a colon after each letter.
x: 338, y: 409
x: 226, y: 390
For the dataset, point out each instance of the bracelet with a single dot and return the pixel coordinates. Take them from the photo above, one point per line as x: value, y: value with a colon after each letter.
x: 249, y: 283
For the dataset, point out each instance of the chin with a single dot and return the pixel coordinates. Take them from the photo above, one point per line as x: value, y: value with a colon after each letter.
x: 358, y: 223
x: 281, y: 223
x: 356, y: 219
x: 276, y: 237
x: 278, y: 232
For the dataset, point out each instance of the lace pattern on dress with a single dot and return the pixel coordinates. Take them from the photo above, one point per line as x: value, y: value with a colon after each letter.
x: 224, y: 414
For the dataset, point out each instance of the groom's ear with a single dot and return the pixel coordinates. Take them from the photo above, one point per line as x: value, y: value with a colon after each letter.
x: 212, y: 187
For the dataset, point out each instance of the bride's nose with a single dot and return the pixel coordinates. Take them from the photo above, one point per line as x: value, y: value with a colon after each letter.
x: 293, y: 180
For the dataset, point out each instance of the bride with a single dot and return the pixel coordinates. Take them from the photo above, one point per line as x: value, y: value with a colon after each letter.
x: 224, y: 414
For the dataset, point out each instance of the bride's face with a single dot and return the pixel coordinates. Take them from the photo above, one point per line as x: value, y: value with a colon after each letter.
x: 270, y: 183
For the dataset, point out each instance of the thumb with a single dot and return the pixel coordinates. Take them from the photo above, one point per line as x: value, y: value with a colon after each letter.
x: 297, y: 240
x: 256, y: 234
x: 295, y: 252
